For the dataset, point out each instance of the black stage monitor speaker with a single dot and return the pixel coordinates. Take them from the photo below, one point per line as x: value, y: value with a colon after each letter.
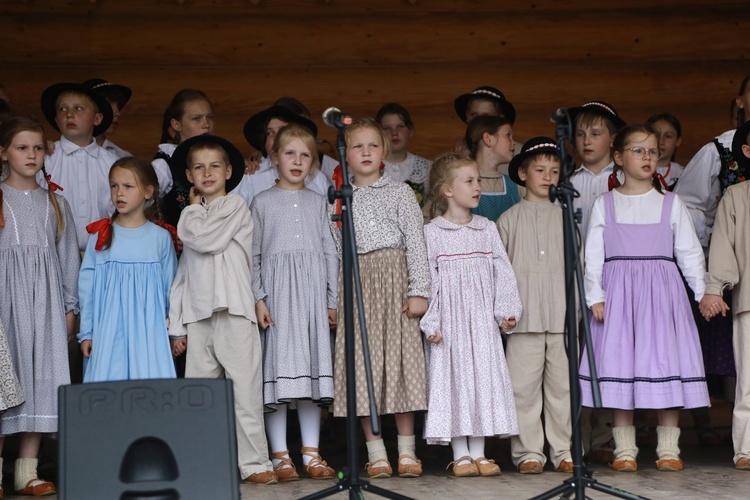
x: 148, y: 440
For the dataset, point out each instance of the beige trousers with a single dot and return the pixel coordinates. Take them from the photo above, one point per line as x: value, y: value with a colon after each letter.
x: 538, y: 367
x: 226, y: 345
x: 741, y: 413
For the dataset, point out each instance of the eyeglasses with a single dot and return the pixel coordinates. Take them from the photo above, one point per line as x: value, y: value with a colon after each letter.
x: 639, y: 153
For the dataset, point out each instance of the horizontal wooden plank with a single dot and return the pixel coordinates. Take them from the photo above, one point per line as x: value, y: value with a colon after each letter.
x: 240, y: 92
x: 305, y: 8
x: 251, y: 42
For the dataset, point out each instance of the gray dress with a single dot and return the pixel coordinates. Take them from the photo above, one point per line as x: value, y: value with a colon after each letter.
x: 295, y: 269
x: 39, y: 279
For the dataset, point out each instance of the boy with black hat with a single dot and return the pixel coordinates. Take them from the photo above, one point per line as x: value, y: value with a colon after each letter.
x: 729, y: 268
x: 211, y: 302
x: 117, y: 96
x: 78, y: 163
x: 260, y: 131
x: 537, y: 362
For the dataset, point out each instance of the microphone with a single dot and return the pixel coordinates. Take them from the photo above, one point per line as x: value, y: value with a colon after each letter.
x: 334, y: 117
x: 558, y: 115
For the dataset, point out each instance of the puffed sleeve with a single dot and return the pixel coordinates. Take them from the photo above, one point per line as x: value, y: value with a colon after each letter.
x: 331, y: 255
x: 430, y: 322
x: 699, y: 188
x: 507, y: 298
x: 86, y: 290
x: 257, y: 284
x: 168, y: 266
x: 594, y: 255
x: 176, y: 326
x: 69, y: 257
x: 412, y: 227
x: 723, y: 268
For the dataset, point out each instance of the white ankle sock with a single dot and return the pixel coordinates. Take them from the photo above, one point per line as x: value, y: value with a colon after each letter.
x: 376, y: 451
x: 25, y: 472
x: 460, y: 447
x: 407, y: 446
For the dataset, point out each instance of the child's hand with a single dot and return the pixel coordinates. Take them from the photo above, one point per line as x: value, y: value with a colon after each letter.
x: 435, y: 338
x: 508, y: 324
x: 178, y: 346
x: 597, y: 310
x: 263, y: 314
x: 86, y: 348
x: 178, y: 245
x: 711, y: 305
x: 415, y: 307
x: 195, y: 196
x: 252, y: 162
x: 332, y: 317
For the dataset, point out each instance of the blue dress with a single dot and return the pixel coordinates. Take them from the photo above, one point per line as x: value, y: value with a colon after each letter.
x: 124, y: 300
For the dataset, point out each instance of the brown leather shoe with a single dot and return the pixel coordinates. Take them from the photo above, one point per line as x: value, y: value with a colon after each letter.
x: 380, y: 471
x: 285, y: 471
x: 669, y: 464
x: 743, y: 464
x: 38, y: 488
x: 407, y: 469
x: 467, y: 469
x: 317, y: 468
x: 625, y: 465
x: 565, y: 466
x: 530, y: 467
x: 487, y: 467
x: 265, y: 477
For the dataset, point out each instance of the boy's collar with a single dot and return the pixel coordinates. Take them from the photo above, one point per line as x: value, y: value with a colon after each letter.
x: 69, y: 147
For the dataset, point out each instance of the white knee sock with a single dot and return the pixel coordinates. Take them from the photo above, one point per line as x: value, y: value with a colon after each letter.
x: 667, y: 439
x: 625, y: 447
x: 276, y: 429
x: 376, y: 452
x: 476, y: 447
x: 309, y: 425
x: 460, y: 447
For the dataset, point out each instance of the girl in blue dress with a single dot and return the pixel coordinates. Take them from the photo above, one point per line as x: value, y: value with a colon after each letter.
x: 125, y: 279
x: 490, y: 141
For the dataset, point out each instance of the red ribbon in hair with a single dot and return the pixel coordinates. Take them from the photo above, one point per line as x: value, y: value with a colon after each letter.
x: 611, y: 181
x: 172, y: 232
x: 104, y: 228
x: 338, y: 181
x: 52, y: 185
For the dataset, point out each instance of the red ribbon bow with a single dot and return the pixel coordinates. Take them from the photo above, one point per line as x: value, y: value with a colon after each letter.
x: 52, y: 185
x: 338, y: 181
x: 104, y: 228
x: 172, y: 232
x: 611, y: 181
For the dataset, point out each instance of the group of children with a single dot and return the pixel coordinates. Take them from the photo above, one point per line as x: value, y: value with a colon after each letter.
x: 247, y: 284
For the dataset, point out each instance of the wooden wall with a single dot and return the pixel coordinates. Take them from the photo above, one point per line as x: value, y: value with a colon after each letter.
x: 683, y: 56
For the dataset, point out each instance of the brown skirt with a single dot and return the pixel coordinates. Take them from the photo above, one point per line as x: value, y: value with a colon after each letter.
x: 395, y: 341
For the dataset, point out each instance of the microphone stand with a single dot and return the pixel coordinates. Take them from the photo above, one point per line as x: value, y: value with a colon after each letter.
x: 565, y: 193
x: 349, y: 477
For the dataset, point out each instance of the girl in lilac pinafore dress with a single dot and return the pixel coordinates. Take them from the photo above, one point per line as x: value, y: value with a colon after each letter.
x: 644, y: 337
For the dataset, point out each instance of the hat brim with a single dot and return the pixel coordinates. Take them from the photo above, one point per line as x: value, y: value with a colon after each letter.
x: 462, y: 101
x: 49, y: 104
x: 178, y: 161
x: 255, y: 127
x: 122, y: 91
x: 574, y: 112
x: 517, y: 161
x: 739, y: 139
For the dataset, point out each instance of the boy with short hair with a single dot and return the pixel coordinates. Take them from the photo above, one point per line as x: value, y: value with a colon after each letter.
x: 79, y: 165
x: 211, y: 302
x: 596, y: 124
x: 537, y: 362
x: 729, y: 268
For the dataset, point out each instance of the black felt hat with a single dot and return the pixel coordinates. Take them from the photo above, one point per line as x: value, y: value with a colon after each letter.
x: 740, y: 139
x: 489, y: 93
x: 179, y: 160
x: 537, y: 145
x: 599, y: 108
x: 255, y: 127
x: 49, y: 104
x: 117, y: 93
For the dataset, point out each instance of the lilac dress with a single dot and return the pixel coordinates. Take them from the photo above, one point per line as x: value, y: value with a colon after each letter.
x: 647, y: 350
x: 473, y: 289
